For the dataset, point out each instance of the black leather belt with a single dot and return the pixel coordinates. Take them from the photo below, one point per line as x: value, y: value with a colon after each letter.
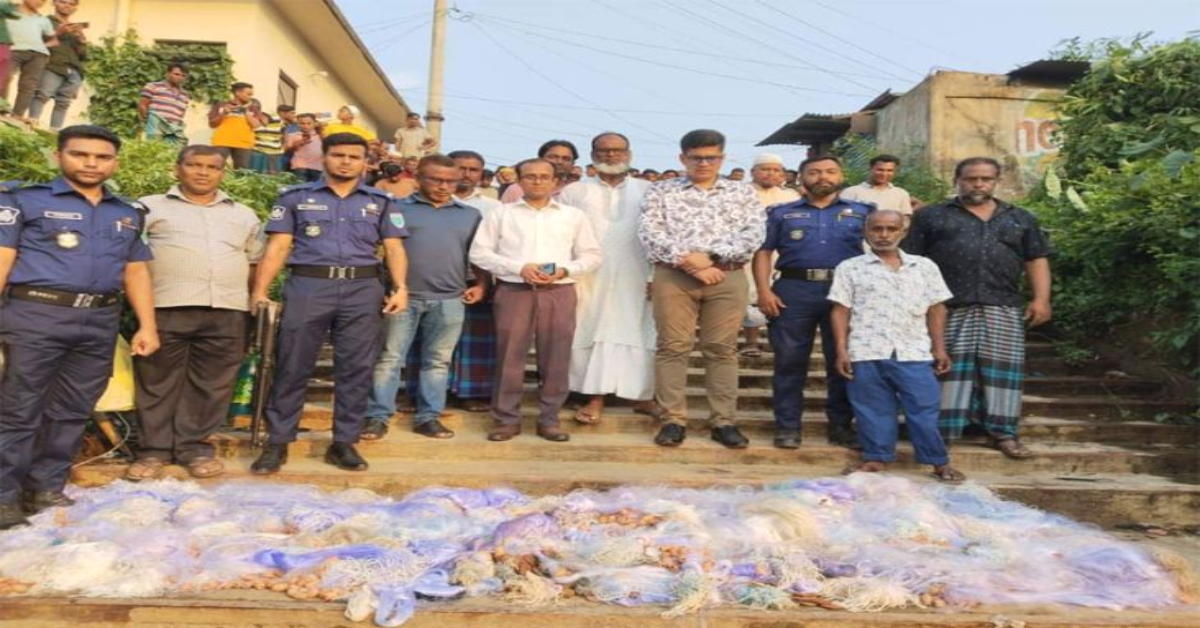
x: 807, y: 274
x: 335, y: 272
x: 64, y: 298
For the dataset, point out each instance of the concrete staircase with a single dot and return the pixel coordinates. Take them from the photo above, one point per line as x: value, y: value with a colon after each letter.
x: 1101, y: 458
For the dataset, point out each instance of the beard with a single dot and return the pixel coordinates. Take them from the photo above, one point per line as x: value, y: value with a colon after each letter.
x: 976, y: 198
x: 612, y: 169
x: 823, y: 189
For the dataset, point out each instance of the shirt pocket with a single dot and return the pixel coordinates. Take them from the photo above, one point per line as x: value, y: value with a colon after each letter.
x: 365, y: 229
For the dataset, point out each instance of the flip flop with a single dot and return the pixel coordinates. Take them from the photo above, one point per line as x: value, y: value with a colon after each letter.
x: 204, y: 467
x: 752, y: 353
x: 584, y: 416
x: 949, y: 475
x: 148, y: 468
x: 860, y: 466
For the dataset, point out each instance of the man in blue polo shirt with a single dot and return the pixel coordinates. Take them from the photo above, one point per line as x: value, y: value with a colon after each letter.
x: 812, y: 236
x: 443, y: 228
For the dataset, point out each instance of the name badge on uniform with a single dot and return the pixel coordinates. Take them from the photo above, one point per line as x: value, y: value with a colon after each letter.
x: 370, y: 210
x: 66, y: 239
x: 312, y: 230
x: 63, y: 215
x: 310, y: 207
x: 796, y: 234
x: 798, y: 215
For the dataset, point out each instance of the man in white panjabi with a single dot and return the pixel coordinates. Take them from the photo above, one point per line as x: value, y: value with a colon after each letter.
x: 614, y: 344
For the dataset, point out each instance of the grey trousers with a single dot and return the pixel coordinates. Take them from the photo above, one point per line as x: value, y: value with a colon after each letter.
x: 30, y: 65
x: 184, y: 388
x: 544, y: 317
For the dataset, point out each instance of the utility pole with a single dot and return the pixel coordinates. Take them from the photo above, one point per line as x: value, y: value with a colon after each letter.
x: 437, y: 58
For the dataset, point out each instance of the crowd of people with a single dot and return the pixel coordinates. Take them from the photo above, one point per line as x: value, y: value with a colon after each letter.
x: 613, y: 279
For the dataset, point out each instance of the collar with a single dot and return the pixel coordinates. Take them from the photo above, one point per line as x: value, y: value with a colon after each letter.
x: 177, y: 194
x: 905, y: 258
x: 416, y: 198
x: 1000, y: 204
x: 867, y: 184
x: 553, y: 205
x: 720, y: 183
x: 323, y: 183
x: 59, y: 186
x: 474, y: 194
x: 839, y: 201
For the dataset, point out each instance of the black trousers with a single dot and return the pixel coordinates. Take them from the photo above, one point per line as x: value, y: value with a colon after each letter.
x: 184, y: 388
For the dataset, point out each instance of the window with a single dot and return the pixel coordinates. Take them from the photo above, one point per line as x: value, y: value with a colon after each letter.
x: 287, y: 90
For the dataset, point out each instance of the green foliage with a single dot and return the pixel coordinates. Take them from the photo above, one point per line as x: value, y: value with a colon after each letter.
x: 1139, y: 100
x: 146, y: 168
x: 920, y: 180
x: 1127, y: 247
x: 118, y: 68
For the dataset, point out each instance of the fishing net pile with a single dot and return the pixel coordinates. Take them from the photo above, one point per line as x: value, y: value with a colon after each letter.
x: 864, y: 543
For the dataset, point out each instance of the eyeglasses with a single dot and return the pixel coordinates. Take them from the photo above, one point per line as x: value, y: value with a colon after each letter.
x: 445, y: 182
x: 704, y: 159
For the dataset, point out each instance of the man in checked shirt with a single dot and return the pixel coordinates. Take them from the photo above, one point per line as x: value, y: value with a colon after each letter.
x: 700, y: 231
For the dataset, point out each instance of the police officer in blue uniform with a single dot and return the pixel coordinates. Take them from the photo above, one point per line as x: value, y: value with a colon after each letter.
x: 812, y: 236
x: 327, y: 232
x: 67, y: 249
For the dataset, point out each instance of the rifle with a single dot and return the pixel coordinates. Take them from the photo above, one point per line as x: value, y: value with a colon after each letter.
x: 266, y: 332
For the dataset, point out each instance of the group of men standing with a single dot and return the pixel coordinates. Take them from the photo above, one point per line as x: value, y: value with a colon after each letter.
x: 610, y: 278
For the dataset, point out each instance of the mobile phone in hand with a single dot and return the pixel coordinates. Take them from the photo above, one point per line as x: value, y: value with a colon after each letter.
x: 549, y: 268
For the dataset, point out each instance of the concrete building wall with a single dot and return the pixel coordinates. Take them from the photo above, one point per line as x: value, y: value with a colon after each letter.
x: 260, y: 42
x: 956, y: 115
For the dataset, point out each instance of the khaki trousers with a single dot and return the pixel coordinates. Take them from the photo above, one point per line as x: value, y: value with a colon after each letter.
x: 680, y: 303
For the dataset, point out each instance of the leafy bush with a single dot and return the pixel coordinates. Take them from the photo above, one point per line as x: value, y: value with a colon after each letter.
x: 118, y: 68
x: 146, y: 168
x: 1139, y: 100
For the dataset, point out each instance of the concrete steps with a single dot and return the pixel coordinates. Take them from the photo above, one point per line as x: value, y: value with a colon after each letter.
x: 257, y: 609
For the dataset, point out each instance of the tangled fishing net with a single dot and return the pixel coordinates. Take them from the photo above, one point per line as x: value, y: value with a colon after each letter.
x: 865, y: 543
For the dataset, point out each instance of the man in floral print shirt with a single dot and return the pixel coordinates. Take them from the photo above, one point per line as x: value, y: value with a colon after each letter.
x: 700, y: 231
x: 889, y: 323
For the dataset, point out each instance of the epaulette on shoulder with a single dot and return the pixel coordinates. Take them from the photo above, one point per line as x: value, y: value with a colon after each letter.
x: 288, y: 189
x: 134, y: 203
x: 7, y: 187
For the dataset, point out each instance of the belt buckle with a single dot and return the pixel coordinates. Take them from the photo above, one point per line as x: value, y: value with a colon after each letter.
x: 85, y: 300
x: 338, y: 272
x: 817, y: 274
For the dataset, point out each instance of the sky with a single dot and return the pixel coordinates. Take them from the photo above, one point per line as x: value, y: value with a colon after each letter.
x: 520, y: 72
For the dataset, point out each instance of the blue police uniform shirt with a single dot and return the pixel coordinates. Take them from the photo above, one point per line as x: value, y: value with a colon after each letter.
x: 807, y: 236
x: 66, y: 243
x: 333, y: 231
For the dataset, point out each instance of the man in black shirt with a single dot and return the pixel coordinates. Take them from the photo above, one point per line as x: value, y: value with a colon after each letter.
x: 983, y: 246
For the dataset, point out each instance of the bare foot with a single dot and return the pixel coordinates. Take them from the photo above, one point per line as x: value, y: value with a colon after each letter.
x: 592, y: 412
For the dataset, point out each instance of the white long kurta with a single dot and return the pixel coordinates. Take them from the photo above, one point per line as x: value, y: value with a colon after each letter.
x: 613, y: 352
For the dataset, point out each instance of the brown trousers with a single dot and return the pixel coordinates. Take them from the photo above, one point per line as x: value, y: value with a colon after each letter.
x: 184, y: 388
x: 546, y: 318
x: 680, y: 303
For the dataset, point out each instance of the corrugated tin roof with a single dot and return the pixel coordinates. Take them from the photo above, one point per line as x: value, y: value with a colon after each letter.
x: 810, y: 128
x: 1053, y: 71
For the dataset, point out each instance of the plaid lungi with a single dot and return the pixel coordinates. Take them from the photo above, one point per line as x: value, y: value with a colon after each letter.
x: 986, y: 344
x: 474, y: 363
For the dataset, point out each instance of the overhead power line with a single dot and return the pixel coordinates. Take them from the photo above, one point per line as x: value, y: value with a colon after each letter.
x: 856, y: 45
x: 639, y: 111
x: 861, y: 20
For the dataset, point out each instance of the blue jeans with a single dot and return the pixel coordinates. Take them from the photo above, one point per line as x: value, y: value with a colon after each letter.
x: 440, y: 323
x: 874, y: 392
x: 792, y: 336
x: 63, y: 89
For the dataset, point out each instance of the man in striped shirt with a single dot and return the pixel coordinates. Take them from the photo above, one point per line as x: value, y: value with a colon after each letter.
x: 163, y: 104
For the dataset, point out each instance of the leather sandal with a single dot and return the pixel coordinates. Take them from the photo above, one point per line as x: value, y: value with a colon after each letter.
x: 948, y: 474
x: 202, y: 467
x: 1013, y: 448
x: 586, y: 416
x: 148, y: 468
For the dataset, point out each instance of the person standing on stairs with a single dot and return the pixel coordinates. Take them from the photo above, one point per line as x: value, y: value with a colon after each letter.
x: 614, y: 337
x: 984, y: 246
x: 699, y: 231
x: 67, y: 249
x: 327, y: 233
x: 438, y: 296
x: 204, y: 244
x: 536, y: 248
x: 812, y: 236
x: 889, y: 325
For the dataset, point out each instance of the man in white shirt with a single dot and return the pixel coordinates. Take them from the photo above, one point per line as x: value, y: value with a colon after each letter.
x: 614, y: 346
x: 535, y: 248
x: 767, y: 176
x: 879, y: 190
x: 889, y: 325
x: 204, y: 243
